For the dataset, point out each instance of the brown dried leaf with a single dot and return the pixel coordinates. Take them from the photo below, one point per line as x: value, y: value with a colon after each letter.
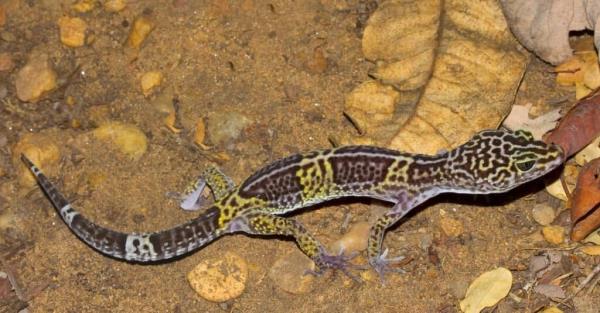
x: 579, y: 126
x: 586, y: 198
x: 455, y: 64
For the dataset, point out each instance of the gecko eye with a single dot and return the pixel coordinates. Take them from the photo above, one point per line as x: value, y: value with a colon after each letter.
x: 525, y: 166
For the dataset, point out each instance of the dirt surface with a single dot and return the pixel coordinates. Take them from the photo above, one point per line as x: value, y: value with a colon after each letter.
x: 285, y: 67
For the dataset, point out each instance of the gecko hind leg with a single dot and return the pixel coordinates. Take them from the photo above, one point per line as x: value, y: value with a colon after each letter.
x: 377, y: 258
x: 191, y: 199
x: 267, y: 224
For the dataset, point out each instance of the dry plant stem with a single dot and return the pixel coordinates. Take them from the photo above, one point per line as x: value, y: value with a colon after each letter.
x: 566, y: 189
x: 15, y: 285
x: 586, y: 281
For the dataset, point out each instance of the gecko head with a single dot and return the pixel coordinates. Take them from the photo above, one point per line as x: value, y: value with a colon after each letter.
x: 497, y: 161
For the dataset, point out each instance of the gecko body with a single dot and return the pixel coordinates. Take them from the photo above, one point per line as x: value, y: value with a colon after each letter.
x: 491, y: 162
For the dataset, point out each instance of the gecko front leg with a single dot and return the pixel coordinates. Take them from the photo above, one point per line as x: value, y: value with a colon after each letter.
x: 220, y: 185
x: 267, y: 224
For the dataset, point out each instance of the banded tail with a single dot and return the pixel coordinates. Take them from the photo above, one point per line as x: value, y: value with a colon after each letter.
x: 143, y: 247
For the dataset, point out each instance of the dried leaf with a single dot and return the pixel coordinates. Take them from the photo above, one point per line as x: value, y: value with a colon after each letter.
x: 594, y: 238
x: 543, y: 26
x: 550, y: 291
x: 581, y: 70
x: 588, y: 153
x: 579, y: 126
x: 591, y: 250
x: 518, y: 118
x: 487, y: 290
x: 586, y: 197
x: 552, y: 309
x: 456, y: 75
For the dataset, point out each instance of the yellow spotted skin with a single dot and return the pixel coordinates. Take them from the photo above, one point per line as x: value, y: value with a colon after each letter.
x: 491, y: 162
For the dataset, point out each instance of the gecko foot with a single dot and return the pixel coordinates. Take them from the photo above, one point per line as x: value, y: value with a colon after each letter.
x: 339, y: 262
x: 382, y: 265
x: 191, y: 199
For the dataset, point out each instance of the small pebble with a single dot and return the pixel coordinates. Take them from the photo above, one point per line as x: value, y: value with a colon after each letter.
x: 2, y: 15
x: 72, y: 31
x: 220, y: 279
x: 543, y: 214
x: 41, y: 150
x: 554, y: 234
x: 425, y: 241
x: 289, y: 273
x: 7, y: 36
x: 129, y: 139
x: 35, y: 78
x: 149, y: 81
x: 3, y: 93
x: 355, y: 240
x: 226, y: 127
x: 451, y: 227
x: 83, y: 6
x: 6, y: 62
x: 200, y: 134
x: 114, y: 5
x: 142, y: 26
x: 318, y: 63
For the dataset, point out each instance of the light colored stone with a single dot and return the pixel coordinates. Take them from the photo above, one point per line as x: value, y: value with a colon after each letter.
x: 451, y: 227
x: 220, y: 279
x: 41, y: 150
x: 6, y: 62
x: 72, y: 31
x: 149, y: 81
x: 83, y: 6
x: 225, y: 127
x: 355, y: 240
x: 142, y: 26
x: 128, y: 138
x: 114, y: 5
x: 289, y: 273
x: 554, y: 234
x: 35, y: 78
x: 543, y: 214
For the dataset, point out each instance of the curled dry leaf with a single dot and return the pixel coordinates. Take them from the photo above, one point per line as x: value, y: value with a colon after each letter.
x: 584, y: 212
x: 455, y: 64
x: 579, y: 126
x: 582, y: 71
x: 518, y: 118
x: 588, y: 153
x: 543, y: 26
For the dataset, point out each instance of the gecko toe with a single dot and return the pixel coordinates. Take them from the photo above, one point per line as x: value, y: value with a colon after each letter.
x: 383, y: 265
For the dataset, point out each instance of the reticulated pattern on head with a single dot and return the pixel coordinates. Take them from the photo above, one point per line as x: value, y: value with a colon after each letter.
x: 497, y: 161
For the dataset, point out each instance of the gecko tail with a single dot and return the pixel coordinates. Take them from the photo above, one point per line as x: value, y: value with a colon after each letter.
x: 137, y: 247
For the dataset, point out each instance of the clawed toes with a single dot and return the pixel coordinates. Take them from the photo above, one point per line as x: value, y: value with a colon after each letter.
x: 339, y: 262
x: 383, y: 265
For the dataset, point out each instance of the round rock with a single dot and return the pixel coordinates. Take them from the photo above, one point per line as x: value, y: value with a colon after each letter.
x: 543, y: 214
x: 289, y: 273
x: 220, y: 279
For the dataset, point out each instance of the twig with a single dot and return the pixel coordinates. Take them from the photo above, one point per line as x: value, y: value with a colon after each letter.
x: 586, y: 281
